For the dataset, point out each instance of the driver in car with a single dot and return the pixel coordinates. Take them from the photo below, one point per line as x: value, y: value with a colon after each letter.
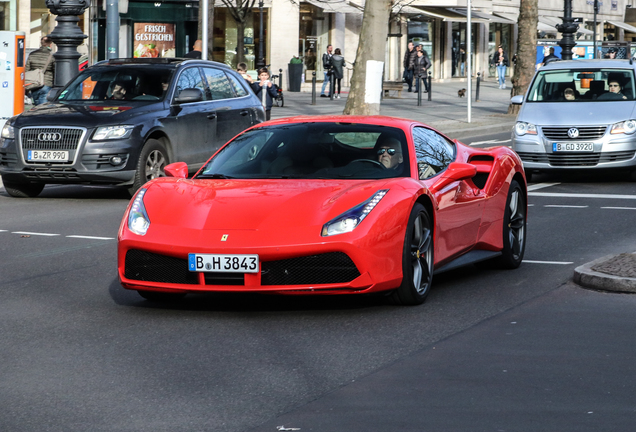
x: 389, y: 152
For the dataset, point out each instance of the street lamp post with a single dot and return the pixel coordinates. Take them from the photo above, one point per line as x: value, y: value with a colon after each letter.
x: 260, y: 62
x: 568, y: 28
x: 595, y: 12
x: 67, y: 36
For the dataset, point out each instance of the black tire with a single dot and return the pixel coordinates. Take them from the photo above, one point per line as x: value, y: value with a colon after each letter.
x: 164, y: 297
x: 417, y: 259
x: 282, y: 101
x: 514, y: 228
x: 150, y: 165
x: 23, y: 190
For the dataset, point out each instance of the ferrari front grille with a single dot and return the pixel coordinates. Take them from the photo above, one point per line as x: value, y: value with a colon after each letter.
x: 585, y: 133
x: 329, y: 268
x: 152, y: 267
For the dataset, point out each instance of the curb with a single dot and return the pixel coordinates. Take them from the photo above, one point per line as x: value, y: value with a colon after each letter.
x: 588, y: 278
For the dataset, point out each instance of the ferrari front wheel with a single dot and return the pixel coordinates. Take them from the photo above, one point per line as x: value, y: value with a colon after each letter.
x: 514, y: 228
x: 417, y: 259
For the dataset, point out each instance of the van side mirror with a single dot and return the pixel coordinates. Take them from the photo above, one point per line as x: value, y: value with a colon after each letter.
x: 517, y: 100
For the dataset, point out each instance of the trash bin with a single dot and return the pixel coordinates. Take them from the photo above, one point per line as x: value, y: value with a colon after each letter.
x: 295, y: 74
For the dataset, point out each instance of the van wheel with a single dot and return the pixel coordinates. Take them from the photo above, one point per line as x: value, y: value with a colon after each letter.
x: 151, y: 164
x: 23, y: 190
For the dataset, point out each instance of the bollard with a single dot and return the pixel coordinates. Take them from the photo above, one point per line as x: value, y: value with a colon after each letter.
x: 477, y: 88
x: 313, y: 88
x: 332, y: 82
x: 430, y: 89
x: 280, y: 78
x: 419, y: 89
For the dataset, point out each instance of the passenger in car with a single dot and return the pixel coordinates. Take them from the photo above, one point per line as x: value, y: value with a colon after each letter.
x: 120, y: 90
x: 568, y: 94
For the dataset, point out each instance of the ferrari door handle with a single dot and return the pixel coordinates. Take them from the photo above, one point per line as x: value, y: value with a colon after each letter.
x: 212, y: 116
x: 244, y: 112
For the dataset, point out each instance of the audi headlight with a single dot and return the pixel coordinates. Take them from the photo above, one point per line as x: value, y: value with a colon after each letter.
x: 523, y: 128
x: 112, y: 132
x: 138, y: 220
x: 627, y: 127
x: 349, y: 220
x: 8, y: 131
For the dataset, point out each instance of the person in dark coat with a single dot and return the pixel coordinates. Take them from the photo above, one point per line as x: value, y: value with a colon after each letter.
x: 422, y: 63
x: 337, y: 64
x: 409, y: 65
x: 37, y: 60
x: 500, y: 61
x: 550, y: 57
x: 326, y: 65
x: 196, y: 50
x: 271, y: 91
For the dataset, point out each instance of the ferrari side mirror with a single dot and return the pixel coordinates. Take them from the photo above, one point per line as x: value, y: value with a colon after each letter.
x: 177, y: 170
x: 456, y: 171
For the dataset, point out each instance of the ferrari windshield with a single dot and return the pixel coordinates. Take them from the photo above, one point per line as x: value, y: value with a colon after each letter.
x: 583, y: 85
x: 119, y: 83
x: 313, y: 151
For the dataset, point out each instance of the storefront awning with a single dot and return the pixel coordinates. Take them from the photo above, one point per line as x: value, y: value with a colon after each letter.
x: 335, y: 6
x: 444, y: 14
x: 220, y: 4
x: 479, y: 16
x: 626, y: 27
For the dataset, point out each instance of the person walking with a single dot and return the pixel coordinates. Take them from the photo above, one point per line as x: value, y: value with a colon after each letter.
x: 409, y: 65
x: 500, y: 61
x: 271, y: 91
x: 550, y: 57
x: 42, y: 58
x: 337, y: 63
x: 326, y: 65
x: 196, y: 50
x: 422, y: 63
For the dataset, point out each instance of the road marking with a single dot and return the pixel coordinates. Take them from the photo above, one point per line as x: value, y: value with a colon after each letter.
x: 548, y: 262
x: 565, y: 206
x: 491, y: 142
x: 34, y: 233
x: 90, y: 237
x: 575, y: 195
x: 540, y: 186
x: 620, y: 208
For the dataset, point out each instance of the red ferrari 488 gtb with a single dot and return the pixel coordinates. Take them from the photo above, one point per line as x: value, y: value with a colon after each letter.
x: 325, y: 205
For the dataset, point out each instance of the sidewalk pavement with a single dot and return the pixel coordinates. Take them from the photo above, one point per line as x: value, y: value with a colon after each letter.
x: 446, y: 111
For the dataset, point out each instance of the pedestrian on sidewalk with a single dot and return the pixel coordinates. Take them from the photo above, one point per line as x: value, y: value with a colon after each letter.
x: 500, y: 61
x: 241, y: 68
x: 269, y: 88
x: 196, y: 50
x: 42, y: 58
x: 409, y: 65
x: 326, y: 65
x: 422, y: 63
x: 337, y: 63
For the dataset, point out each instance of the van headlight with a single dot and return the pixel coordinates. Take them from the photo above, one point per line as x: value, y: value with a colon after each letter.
x: 523, y: 128
x: 627, y: 127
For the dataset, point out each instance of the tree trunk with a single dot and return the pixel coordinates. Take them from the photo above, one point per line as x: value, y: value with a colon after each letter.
x: 240, y: 43
x: 364, y: 94
x: 526, y: 50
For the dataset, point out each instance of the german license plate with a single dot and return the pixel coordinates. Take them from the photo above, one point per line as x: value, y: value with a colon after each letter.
x: 47, y: 156
x: 223, y: 263
x: 573, y: 147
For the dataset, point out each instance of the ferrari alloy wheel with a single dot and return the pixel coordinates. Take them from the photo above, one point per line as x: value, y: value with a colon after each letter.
x: 417, y: 259
x: 152, y: 161
x: 23, y: 190
x: 514, y: 228
x: 157, y: 296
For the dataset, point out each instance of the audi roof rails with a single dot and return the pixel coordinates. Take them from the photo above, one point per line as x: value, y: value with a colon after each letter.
x: 151, y: 60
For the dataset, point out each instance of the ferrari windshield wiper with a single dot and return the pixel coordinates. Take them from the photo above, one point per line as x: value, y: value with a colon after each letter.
x: 216, y: 176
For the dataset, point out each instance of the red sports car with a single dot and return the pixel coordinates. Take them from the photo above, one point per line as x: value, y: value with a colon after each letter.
x: 325, y: 205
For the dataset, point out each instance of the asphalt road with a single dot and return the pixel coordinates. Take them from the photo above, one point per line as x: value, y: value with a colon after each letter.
x: 489, y: 350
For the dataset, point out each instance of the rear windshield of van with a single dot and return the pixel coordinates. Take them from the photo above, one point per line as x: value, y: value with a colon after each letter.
x: 580, y: 85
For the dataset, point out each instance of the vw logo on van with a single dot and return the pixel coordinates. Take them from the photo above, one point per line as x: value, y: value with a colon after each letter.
x: 49, y: 136
x: 573, y: 133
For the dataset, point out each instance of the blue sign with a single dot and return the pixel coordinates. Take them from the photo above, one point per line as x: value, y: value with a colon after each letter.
x: 5, y: 84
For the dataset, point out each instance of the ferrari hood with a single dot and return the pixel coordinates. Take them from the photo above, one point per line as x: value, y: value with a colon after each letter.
x: 254, y: 205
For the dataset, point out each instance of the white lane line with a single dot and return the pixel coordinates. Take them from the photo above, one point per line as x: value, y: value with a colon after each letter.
x: 34, y: 233
x: 90, y: 237
x: 548, y: 262
x: 576, y: 195
x: 619, y: 208
x: 491, y: 142
x: 534, y: 187
x: 565, y: 206
x: 3, y: 230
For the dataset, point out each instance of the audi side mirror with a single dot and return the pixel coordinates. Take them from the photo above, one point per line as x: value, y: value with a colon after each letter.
x: 52, y: 94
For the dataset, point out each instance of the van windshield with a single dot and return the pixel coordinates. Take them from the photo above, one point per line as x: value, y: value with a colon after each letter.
x: 583, y: 85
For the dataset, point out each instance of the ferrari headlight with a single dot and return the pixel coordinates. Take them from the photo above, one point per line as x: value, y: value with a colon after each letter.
x: 627, y: 127
x: 523, y: 128
x: 112, y: 132
x: 349, y: 220
x: 8, y: 131
x: 138, y: 220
